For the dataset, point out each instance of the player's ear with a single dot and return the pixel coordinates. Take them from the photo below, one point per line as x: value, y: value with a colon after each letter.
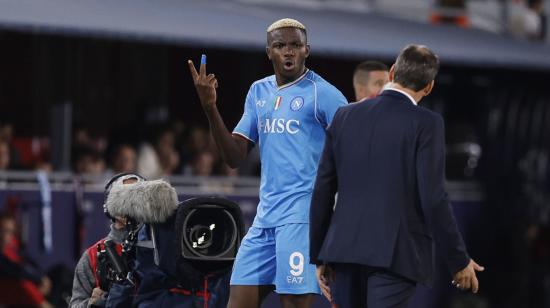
x: 392, y: 72
x: 268, y: 52
x: 307, y: 50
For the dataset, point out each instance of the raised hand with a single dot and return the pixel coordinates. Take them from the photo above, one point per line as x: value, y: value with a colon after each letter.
x: 466, y: 278
x: 205, y: 84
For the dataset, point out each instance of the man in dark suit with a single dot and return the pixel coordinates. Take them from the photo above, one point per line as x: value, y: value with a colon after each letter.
x: 386, y: 159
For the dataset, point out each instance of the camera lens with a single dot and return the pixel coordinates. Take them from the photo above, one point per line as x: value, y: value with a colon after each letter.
x: 201, y: 237
x: 209, y: 232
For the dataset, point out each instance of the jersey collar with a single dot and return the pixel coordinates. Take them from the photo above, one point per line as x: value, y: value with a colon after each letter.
x: 286, y: 85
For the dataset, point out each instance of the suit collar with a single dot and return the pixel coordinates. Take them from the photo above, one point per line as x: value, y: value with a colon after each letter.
x: 398, y: 93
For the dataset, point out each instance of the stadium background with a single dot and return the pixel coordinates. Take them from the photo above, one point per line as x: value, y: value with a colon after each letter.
x: 119, y: 71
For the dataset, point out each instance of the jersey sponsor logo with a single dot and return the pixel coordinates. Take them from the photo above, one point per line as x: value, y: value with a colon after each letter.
x: 279, y: 126
x: 297, y: 103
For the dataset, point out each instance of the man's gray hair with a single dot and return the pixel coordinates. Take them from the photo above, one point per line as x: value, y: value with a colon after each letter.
x: 415, y: 67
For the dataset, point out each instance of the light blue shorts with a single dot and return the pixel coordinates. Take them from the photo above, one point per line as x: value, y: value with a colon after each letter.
x: 276, y: 256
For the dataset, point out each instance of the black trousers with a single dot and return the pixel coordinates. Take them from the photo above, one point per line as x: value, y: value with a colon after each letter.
x: 360, y: 286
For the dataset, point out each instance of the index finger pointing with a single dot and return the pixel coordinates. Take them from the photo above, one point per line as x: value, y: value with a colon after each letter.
x: 192, y: 69
x: 203, y: 65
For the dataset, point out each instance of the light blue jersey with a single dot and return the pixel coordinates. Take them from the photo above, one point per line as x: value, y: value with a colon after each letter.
x: 288, y: 123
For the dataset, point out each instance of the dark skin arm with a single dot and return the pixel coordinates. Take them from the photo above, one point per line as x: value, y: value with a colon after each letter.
x: 233, y: 148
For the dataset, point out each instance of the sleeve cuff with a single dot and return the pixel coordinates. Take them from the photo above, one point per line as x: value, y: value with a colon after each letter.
x: 459, y: 264
x: 244, y: 136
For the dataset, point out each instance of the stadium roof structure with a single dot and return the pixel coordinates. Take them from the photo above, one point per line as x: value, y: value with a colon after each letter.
x: 241, y: 25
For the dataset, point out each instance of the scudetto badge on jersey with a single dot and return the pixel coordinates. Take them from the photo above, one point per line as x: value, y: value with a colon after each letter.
x: 278, y: 102
x: 297, y: 103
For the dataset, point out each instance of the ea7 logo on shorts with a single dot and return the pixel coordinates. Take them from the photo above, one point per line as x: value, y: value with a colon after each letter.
x: 296, y: 262
x: 279, y: 126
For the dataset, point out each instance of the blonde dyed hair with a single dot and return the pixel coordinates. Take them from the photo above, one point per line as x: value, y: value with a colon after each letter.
x: 286, y: 23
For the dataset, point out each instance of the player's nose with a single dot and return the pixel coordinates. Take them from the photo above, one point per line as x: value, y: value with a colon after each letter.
x: 288, y: 52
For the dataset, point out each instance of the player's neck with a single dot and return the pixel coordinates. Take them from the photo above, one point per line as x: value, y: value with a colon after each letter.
x: 281, y: 80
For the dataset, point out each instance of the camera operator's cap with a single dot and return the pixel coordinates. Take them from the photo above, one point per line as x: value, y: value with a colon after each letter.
x: 286, y: 23
x: 120, y: 180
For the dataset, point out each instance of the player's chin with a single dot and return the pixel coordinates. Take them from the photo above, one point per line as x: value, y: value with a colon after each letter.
x: 290, y: 71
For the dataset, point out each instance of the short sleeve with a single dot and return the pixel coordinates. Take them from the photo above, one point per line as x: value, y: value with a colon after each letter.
x: 248, y: 125
x: 328, y: 100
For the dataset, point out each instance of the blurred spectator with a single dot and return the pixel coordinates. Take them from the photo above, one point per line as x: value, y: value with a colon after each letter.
x: 83, y: 138
x: 369, y: 78
x: 529, y: 21
x: 124, y: 159
x: 33, y: 152
x: 24, y: 152
x: 4, y: 155
x: 198, y: 140
x: 148, y: 163
x: 181, y: 131
x: 22, y: 284
x: 7, y: 135
x: 166, y: 150
x: 88, y: 161
x: 203, y: 164
x: 159, y: 156
x: 6, y: 131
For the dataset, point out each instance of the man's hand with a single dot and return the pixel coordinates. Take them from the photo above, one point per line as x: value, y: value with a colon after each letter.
x: 466, y: 278
x: 325, y: 275
x: 45, y: 286
x: 46, y: 304
x: 205, y: 84
x: 97, y: 294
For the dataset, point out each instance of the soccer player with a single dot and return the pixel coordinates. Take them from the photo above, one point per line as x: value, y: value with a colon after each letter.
x: 369, y: 78
x: 286, y: 114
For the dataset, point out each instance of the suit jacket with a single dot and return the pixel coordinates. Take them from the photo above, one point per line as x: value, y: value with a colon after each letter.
x: 386, y: 159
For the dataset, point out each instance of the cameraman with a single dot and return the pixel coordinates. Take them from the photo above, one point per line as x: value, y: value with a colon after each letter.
x: 86, y: 283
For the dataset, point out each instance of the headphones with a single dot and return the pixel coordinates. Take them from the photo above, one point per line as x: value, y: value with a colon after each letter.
x: 109, y: 186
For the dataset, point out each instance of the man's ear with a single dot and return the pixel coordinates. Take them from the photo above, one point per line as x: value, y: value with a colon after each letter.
x: 268, y: 52
x: 428, y: 89
x: 392, y: 72
x: 307, y: 50
x: 359, y: 91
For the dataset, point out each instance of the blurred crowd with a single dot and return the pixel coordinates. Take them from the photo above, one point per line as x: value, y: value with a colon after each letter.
x: 523, y: 19
x: 171, y: 149
x: 23, y: 283
x: 529, y: 21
